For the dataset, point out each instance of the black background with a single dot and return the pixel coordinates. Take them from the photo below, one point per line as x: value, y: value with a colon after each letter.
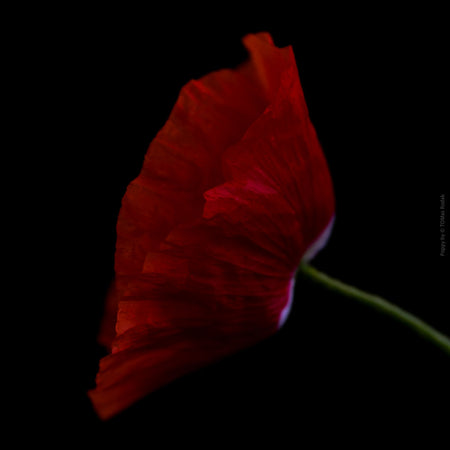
x: 371, y: 81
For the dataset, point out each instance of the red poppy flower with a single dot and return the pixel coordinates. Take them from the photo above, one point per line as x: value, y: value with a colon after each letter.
x: 233, y: 193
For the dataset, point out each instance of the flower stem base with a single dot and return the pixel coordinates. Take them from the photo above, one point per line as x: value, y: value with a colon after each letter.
x: 378, y: 303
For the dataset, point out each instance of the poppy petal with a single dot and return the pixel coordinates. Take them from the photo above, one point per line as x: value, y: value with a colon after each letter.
x: 233, y: 192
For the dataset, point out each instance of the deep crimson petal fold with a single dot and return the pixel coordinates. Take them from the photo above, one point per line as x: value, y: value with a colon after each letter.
x: 234, y: 191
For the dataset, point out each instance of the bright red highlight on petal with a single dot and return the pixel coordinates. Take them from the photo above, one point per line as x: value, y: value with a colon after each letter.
x: 233, y: 191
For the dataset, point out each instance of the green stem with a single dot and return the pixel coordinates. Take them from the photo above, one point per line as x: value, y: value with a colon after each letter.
x: 378, y: 303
